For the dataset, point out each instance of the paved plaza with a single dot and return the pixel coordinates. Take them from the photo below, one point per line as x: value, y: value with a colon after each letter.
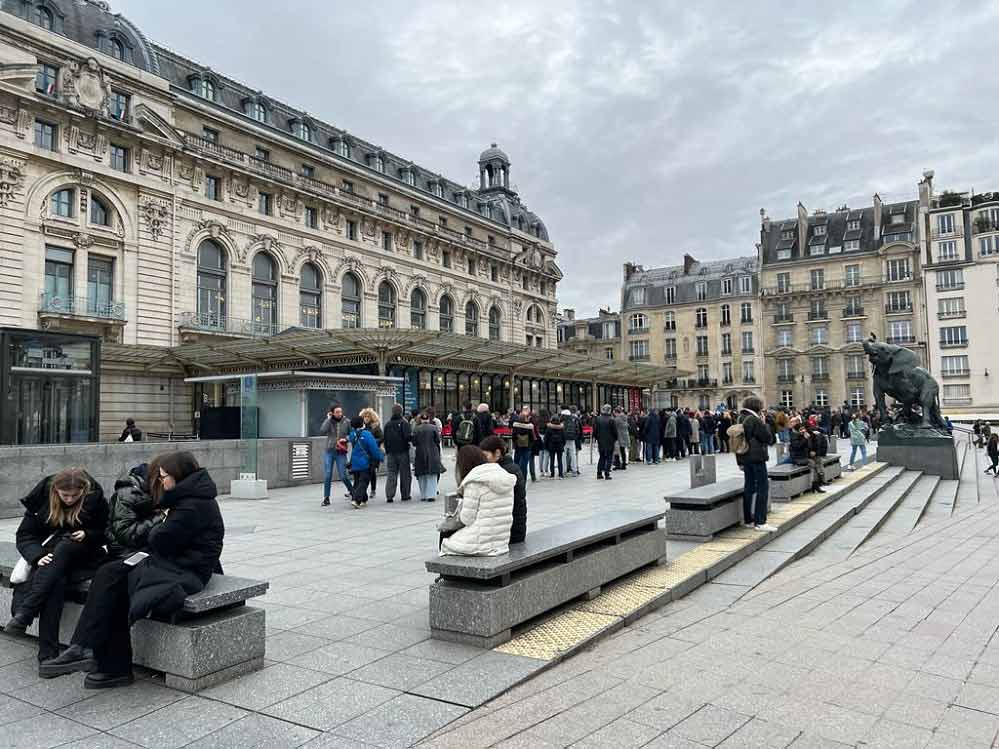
x: 891, y: 646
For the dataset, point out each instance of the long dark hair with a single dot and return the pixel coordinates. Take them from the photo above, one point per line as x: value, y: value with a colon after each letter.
x: 178, y: 465
x: 469, y: 457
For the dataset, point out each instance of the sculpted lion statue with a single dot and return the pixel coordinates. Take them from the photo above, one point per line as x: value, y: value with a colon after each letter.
x: 897, y: 373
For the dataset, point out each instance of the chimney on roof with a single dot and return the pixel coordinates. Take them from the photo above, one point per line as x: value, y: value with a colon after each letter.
x: 688, y: 262
x: 764, y: 221
x: 569, y: 315
x: 802, y: 229
x: 877, y: 219
x: 631, y: 269
x: 926, y: 189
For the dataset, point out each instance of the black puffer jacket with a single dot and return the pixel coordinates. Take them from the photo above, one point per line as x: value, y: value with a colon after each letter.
x: 759, y: 437
x: 518, y: 529
x: 800, y: 446
x: 35, y: 526
x: 132, y: 514
x: 191, y: 536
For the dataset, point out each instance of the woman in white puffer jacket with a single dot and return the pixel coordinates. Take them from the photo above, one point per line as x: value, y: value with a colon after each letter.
x: 485, y: 508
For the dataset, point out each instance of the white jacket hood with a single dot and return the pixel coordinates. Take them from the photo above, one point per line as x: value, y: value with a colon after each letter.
x: 491, y: 475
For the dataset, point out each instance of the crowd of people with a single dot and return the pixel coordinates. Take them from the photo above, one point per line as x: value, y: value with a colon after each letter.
x: 154, y: 541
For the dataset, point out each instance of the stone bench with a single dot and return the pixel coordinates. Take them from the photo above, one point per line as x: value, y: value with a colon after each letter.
x: 697, y: 514
x: 831, y: 468
x: 478, y: 600
x: 216, y: 637
x: 788, y: 480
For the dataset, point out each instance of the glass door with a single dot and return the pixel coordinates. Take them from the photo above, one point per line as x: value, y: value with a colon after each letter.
x: 100, y: 284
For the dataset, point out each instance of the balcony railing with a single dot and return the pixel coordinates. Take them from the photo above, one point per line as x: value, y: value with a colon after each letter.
x: 856, y: 282
x: 726, y: 352
x: 856, y: 375
x: 702, y: 354
x: 727, y: 381
x: 638, y: 357
x: 785, y: 379
x: 818, y: 315
x: 957, y: 231
x: 820, y: 377
x: 746, y: 321
x: 950, y: 287
x: 955, y: 373
x: 747, y: 349
x: 983, y: 225
x: 725, y: 323
x: 897, y: 309
x: 638, y: 331
x: 958, y: 401
x: 670, y: 360
x: 853, y: 312
x: 221, y: 324
x: 952, y: 315
x: 954, y: 344
x: 81, y: 307
x: 748, y: 380
x: 778, y: 319
x: 899, y: 340
x: 690, y: 383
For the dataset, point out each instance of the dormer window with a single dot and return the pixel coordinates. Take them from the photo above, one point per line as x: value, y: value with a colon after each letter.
x: 301, y: 130
x: 408, y: 176
x: 203, y: 87
x: 787, y: 234
x: 256, y: 110
x: 461, y: 199
x: 341, y: 147
x: 377, y: 162
x: 820, y: 230
x: 117, y: 50
x: 437, y: 189
x: 853, y: 225
x: 897, y: 218
x: 42, y: 16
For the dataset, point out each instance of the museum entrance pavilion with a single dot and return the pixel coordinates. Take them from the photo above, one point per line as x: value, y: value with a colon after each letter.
x: 426, y: 368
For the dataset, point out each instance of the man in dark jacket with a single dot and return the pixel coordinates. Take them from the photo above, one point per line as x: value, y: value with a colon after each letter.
x: 130, y: 431
x: 605, y: 433
x: 398, y: 437
x: 682, y: 433
x: 573, y: 431
x: 484, y: 424
x: 651, y: 434
x: 463, y: 426
x: 803, y: 452
x: 495, y: 451
x: 753, y: 462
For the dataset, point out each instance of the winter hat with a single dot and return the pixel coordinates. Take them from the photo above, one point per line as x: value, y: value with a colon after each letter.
x: 565, y: 412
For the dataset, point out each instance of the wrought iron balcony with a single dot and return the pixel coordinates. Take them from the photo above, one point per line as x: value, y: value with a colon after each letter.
x: 950, y: 287
x: 853, y: 312
x: 899, y: 340
x: 70, y: 306
x: 821, y: 314
x: 209, y: 322
x: 778, y: 319
x: 785, y: 379
x: 961, y: 342
x: 897, y: 309
x: 856, y: 375
x: 748, y: 380
x: 747, y: 349
x: 955, y: 373
x: 952, y: 315
x: 638, y: 357
x: 820, y: 377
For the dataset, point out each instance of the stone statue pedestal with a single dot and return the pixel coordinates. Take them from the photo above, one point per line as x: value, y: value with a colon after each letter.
x: 919, y: 449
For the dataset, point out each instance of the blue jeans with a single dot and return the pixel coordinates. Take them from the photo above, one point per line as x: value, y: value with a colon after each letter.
x: 331, y: 458
x: 522, y: 457
x: 428, y: 485
x: 756, y: 482
x: 863, y: 453
x: 707, y: 446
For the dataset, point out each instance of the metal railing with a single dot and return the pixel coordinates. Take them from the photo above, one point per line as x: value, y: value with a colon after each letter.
x: 957, y: 231
x: 638, y: 357
x: 856, y: 375
x: 820, y: 377
x: 901, y: 339
x: 955, y: 372
x: 952, y: 315
x: 81, y: 307
x: 785, y: 379
x: 783, y: 318
x: 818, y: 315
x: 853, y: 312
x: 222, y: 324
x: 897, y: 309
x: 954, y: 344
x: 950, y: 287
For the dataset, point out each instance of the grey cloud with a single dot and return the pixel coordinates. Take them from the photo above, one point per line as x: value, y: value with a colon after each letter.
x: 638, y: 131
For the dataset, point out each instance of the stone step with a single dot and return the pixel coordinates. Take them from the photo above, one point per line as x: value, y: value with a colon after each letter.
x: 968, y: 494
x: 907, y: 514
x: 941, y: 504
x: 863, y: 527
x: 806, y: 536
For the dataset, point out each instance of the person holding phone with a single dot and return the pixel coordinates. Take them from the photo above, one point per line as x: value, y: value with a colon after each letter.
x: 336, y: 429
x: 365, y: 454
x: 60, y: 537
x: 134, y: 511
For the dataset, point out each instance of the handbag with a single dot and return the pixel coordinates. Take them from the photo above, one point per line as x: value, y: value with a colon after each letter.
x: 451, y: 522
x: 20, y: 572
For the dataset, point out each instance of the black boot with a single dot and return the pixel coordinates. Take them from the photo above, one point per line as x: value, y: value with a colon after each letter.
x: 72, y: 659
x: 18, y: 624
x: 107, y: 681
x: 817, y: 487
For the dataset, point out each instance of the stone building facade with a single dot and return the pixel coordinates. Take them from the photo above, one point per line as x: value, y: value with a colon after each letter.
x: 598, y: 337
x: 962, y: 291
x: 150, y: 200
x: 828, y: 280
x: 701, y: 318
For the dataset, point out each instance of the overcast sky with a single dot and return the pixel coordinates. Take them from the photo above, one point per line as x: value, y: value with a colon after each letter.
x: 637, y: 131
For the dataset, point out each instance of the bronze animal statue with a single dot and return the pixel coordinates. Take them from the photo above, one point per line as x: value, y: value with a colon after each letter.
x: 897, y: 373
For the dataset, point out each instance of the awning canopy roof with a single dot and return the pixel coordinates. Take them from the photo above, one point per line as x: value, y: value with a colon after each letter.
x: 303, y: 348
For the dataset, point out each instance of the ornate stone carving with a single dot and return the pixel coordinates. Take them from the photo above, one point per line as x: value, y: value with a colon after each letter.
x: 240, y: 189
x: 25, y: 124
x: 368, y: 227
x: 11, y: 179
x: 415, y: 281
x: 154, y: 161
x: 446, y: 288
x: 8, y: 115
x: 518, y: 307
x: 185, y: 171
x: 290, y: 206
x: 434, y: 250
x: 155, y: 214
x: 83, y: 241
x: 332, y: 219
x: 267, y: 243
x: 87, y: 86
x: 215, y: 229
x: 387, y: 272
x: 402, y: 239
x: 349, y: 262
x: 312, y: 254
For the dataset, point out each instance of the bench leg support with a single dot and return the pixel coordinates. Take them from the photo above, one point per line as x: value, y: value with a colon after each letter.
x: 591, y: 594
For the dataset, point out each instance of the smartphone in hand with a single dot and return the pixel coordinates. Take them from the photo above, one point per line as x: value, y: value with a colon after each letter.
x: 136, y: 558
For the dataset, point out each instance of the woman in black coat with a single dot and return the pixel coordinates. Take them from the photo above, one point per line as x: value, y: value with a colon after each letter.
x: 61, y: 537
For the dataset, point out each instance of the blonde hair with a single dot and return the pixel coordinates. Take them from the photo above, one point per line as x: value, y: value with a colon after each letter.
x: 68, y: 479
x: 370, y: 416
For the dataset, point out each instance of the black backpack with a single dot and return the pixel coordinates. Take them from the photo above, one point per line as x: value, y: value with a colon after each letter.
x: 465, y: 433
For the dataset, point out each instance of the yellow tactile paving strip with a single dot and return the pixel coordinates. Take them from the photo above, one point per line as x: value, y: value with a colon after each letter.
x: 582, y: 621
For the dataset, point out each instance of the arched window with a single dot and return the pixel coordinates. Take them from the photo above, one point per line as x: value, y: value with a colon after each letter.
x: 99, y: 213
x: 310, y: 296
x: 211, y: 285
x: 61, y: 203
x: 42, y: 16
x: 302, y: 130
x: 471, y: 319
x: 447, y: 314
x: 535, y: 315
x: 350, y: 306
x: 494, y: 324
x: 386, y: 305
x: 702, y: 317
x: 117, y: 49
x: 264, y: 292
x: 418, y: 309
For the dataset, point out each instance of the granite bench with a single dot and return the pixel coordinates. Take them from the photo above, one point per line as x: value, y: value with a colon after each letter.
x: 478, y: 600
x: 215, y: 637
x: 699, y: 513
x: 788, y: 480
x: 831, y: 468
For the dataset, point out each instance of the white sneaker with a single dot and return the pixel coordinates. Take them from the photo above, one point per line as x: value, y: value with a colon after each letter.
x: 765, y: 528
